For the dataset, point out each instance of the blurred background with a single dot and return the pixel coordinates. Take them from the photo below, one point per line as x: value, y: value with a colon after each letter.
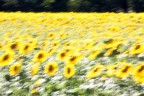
x: 72, y: 5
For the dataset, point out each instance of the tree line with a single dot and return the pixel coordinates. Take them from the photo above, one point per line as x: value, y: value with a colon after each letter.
x: 72, y: 5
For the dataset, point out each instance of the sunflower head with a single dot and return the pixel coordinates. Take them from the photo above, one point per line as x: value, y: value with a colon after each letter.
x: 34, y: 69
x: 74, y: 59
x: 51, y: 68
x: 93, y: 54
x: 138, y: 74
x: 139, y: 68
x: 69, y: 71
x: 139, y: 71
x: 51, y: 35
x: 26, y: 48
x: 124, y: 71
x: 33, y: 42
x: 55, y: 44
x: 51, y: 51
x: 12, y: 46
x: 95, y: 71
x: 6, y: 58
x: 110, y: 69
x: 62, y: 55
x: 15, y: 69
x: 34, y: 91
x: 136, y: 49
x: 40, y: 57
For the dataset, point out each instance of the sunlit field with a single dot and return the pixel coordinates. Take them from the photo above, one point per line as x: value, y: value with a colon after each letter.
x: 71, y: 54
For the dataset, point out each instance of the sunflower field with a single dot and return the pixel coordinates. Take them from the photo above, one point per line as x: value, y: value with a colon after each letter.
x: 71, y: 54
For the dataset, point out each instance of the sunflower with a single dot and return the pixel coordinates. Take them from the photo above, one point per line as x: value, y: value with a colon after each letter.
x: 63, y: 35
x: 95, y: 71
x: 110, y: 69
x: 6, y: 58
x: 55, y: 44
x: 136, y: 49
x: 89, y: 44
x: 15, y: 69
x: 51, y: 68
x: 44, y: 44
x: 112, y: 43
x: 51, y: 35
x: 51, y: 51
x: 14, y: 46
x: 33, y: 42
x: 109, y: 52
x: 26, y: 48
x: 73, y: 59
x: 34, y: 91
x: 40, y: 56
x: 124, y: 71
x: 69, y: 71
x: 67, y: 44
x: 68, y: 50
x: 62, y: 55
x: 93, y: 54
x: 34, y: 70
x: 138, y: 74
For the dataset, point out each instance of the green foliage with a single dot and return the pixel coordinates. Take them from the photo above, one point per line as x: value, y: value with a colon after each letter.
x: 73, y: 5
x: 47, y: 4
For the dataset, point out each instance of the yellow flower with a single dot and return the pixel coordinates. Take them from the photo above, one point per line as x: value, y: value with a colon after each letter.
x: 40, y: 56
x: 138, y: 74
x: 62, y: 55
x: 124, y: 71
x: 136, y: 49
x: 68, y: 50
x: 110, y: 70
x: 33, y: 42
x: 73, y: 59
x: 69, y: 71
x: 138, y: 79
x: 13, y: 46
x: 25, y: 48
x: 6, y: 58
x: 50, y: 51
x: 51, y: 68
x: 112, y: 43
x: 55, y: 44
x: 34, y: 69
x: 44, y: 45
x: 109, y: 52
x: 89, y: 44
x: 38, y: 83
x: 114, y: 29
x: 63, y: 35
x: 51, y: 35
x: 15, y: 69
x: 95, y: 71
x: 33, y: 91
x: 67, y: 44
x: 93, y: 54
